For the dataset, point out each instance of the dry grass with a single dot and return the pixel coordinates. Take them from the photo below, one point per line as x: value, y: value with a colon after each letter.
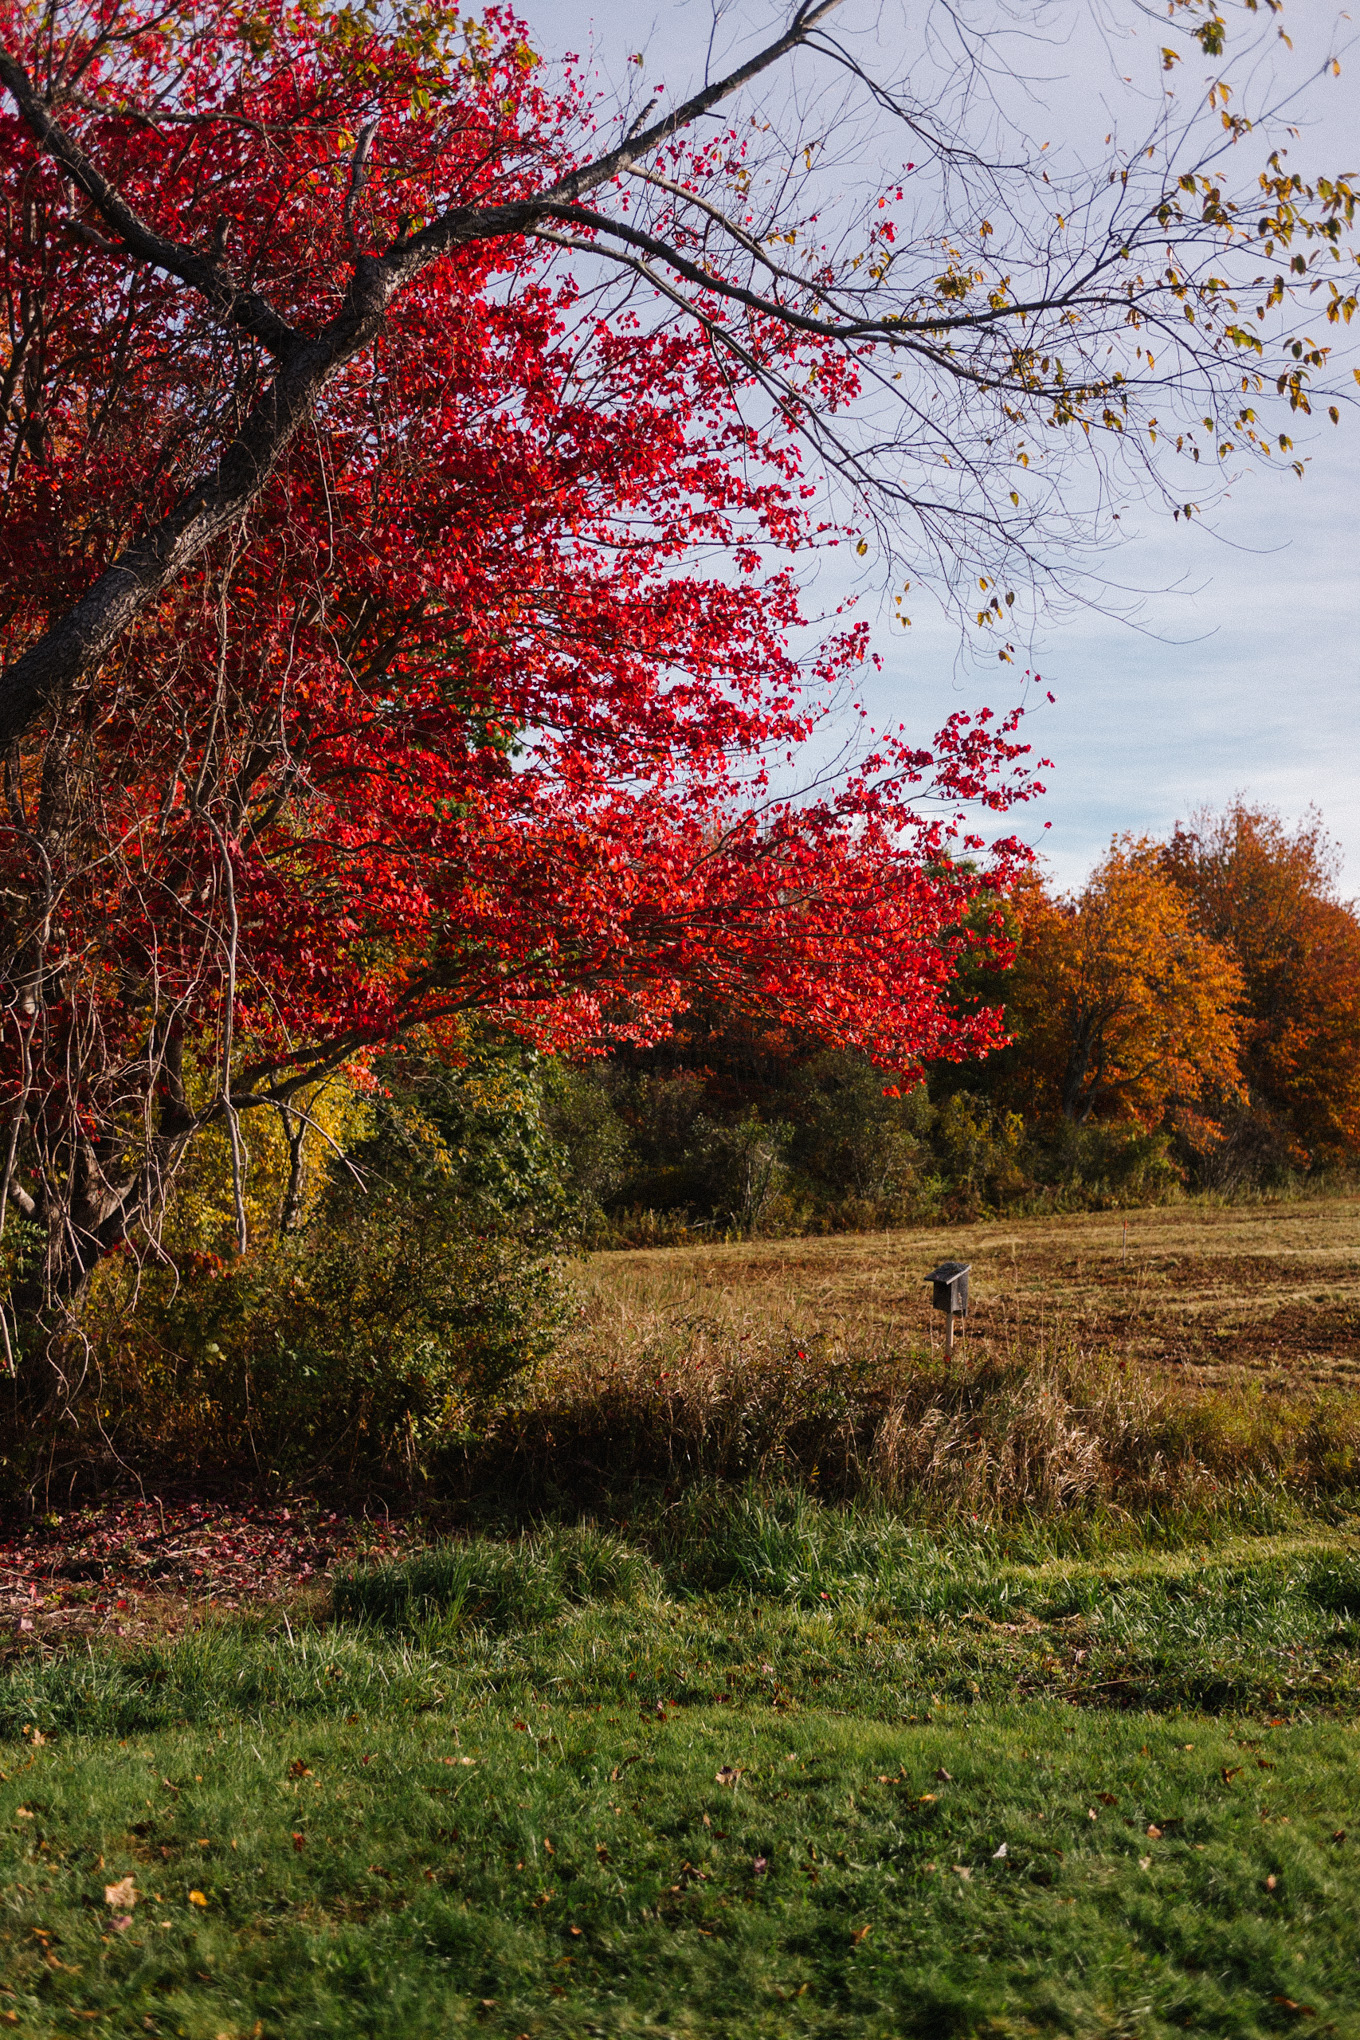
x: 1087, y: 1376
x: 1213, y: 1292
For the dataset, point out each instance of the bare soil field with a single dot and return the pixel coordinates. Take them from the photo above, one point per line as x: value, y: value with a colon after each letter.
x: 1209, y: 1291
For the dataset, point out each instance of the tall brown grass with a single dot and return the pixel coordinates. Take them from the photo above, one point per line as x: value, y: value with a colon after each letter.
x: 1039, y: 1426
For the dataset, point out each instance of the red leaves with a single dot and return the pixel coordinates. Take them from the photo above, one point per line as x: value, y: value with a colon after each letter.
x: 94, y: 1567
x: 466, y: 720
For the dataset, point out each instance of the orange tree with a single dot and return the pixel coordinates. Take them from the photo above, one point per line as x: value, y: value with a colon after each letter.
x: 1269, y: 895
x: 1124, y: 1007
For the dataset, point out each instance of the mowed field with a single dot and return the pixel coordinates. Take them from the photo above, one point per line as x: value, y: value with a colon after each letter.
x: 1205, y: 1290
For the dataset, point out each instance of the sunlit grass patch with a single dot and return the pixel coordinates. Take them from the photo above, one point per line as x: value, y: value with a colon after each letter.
x: 756, y: 1765
x: 559, y: 1871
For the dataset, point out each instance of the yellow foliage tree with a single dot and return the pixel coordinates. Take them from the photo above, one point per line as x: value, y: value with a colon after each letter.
x: 1124, y: 1008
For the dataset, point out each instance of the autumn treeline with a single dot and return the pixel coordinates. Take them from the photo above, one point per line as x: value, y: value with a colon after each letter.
x: 1188, y: 1019
x: 1208, y: 985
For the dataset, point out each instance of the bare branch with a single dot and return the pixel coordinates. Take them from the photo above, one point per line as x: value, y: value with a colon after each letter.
x: 358, y: 175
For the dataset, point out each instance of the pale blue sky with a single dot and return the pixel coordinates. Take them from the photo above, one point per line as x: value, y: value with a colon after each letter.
x: 1245, y: 674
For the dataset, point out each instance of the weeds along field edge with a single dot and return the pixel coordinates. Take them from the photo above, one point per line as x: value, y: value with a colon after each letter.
x: 1042, y: 1427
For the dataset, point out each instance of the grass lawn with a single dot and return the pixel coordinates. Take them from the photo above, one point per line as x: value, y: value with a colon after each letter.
x: 765, y: 1768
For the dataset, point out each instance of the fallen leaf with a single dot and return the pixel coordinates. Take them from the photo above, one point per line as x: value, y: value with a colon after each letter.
x: 299, y: 1843
x: 997, y: 1854
x: 861, y: 1933
x: 1154, y: 1832
x: 522, y: 1726
x: 1145, y: 1862
x: 1228, y: 1774
x: 122, y: 1896
x: 1271, y: 1882
x: 121, y: 1922
x: 761, y: 1865
x: 22, y: 1813
x: 297, y: 1769
x: 726, y: 1776
x: 1107, y: 1799
x: 602, y: 1852
x: 961, y: 1870
x: 945, y: 1777
x: 1340, y: 1835
x: 926, y: 1799
x: 197, y: 1898
x: 548, y: 1846
x: 1290, y: 2005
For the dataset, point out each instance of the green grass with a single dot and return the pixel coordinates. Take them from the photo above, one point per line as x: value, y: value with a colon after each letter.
x: 703, y: 1795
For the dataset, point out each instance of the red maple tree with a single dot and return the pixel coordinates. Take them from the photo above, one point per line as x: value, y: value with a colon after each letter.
x: 399, y: 623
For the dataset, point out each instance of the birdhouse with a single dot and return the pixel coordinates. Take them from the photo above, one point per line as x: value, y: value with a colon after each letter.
x: 951, y: 1287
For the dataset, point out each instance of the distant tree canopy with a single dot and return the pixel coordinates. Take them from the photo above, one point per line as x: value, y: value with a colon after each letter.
x: 1191, y: 1014
x: 1268, y: 895
x: 1124, y: 1008
x: 1209, y: 984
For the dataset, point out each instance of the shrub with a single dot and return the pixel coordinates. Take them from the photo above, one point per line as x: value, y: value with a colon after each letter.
x: 1108, y: 1164
x: 744, y: 1171
x: 592, y: 1141
x: 353, y: 1347
x: 412, y: 1279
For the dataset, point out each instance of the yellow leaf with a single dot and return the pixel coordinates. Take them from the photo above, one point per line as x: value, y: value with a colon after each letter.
x: 121, y: 1897
x: 197, y: 1898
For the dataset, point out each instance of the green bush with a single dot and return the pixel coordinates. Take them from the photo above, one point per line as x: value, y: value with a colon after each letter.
x: 1099, y: 1164
x: 744, y: 1171
x: 355, y: 1347
x: 419, y: 1277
